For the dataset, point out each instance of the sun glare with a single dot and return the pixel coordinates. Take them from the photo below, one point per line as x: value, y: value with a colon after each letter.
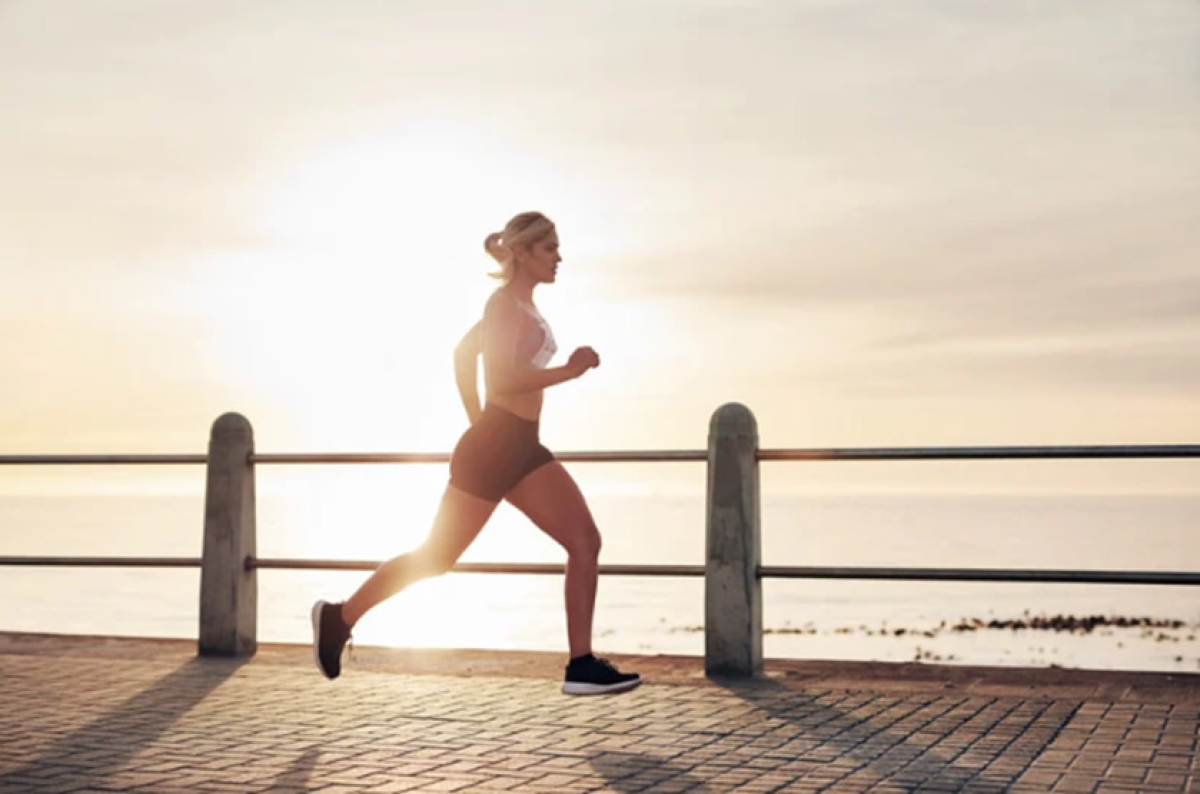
x: 371, y: 269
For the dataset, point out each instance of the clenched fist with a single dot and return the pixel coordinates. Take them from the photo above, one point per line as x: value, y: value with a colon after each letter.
x: 583, y: 359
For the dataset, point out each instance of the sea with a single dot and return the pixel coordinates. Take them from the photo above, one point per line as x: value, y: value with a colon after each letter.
x: 329, y: 513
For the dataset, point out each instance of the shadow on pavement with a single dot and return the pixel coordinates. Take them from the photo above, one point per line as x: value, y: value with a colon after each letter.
x: 101, y: 748
x: 629, y: 772
x: 909, y: 741
x: 297, y: 775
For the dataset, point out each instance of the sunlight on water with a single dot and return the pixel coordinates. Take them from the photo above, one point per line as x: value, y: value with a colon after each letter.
x: 458, y: 610
x: 375, y: 514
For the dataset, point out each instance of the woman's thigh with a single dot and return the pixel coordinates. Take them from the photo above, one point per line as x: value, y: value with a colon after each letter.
x: 551, y: 499
x: 459, y: 520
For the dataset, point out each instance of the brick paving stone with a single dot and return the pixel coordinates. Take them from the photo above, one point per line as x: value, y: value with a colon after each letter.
x: 1089, y: 766
x: 395, y: 786
x: 1125, y: 773
x: 502, y: 783
x: 1173, y: 761
x: 1135, y: 754
x: 1038, y: 777
x: 1104, y: 748
x: 1166, y: 779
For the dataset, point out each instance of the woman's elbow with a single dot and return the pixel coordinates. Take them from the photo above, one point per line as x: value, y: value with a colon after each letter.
x: 465, y: 358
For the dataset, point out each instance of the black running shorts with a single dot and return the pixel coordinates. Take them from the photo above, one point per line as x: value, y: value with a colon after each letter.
x: 496, y: 453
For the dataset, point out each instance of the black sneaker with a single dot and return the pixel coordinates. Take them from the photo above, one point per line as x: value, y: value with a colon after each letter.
x: 330, y: 635
x: 588, y: 675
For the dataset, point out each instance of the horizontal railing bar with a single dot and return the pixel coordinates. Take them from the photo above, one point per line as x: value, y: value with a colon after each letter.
x: 615, y: 456
x: 765, y: 571
x: 653, y: 456
x: 976, y: 453
x: 982, y: 575
x: 102, y: 460
x: 103, y: 562
x: 350, y: 457
x: 262, y: 563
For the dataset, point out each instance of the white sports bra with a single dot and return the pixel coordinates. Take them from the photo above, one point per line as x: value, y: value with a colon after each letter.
x: 535, y: 340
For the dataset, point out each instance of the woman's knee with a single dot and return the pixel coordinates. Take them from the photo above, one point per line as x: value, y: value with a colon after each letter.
x: 586, y: 543
x: 431, y: 560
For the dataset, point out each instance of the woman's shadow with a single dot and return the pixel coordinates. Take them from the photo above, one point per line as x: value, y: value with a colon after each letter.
x: 630, y: 772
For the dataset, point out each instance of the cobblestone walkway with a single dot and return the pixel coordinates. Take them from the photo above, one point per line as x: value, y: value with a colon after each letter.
x: 100, y: 715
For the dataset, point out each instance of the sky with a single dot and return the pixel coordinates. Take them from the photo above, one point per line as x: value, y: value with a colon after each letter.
x: 873, y: 223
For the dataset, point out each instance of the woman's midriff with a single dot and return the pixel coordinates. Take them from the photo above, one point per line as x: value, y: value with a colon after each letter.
x: 527, y: 406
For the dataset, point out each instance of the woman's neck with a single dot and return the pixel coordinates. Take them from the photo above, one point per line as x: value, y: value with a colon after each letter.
x: 521, y: 290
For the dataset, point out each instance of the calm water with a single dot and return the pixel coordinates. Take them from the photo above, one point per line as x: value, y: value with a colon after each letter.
x: 373, y: 517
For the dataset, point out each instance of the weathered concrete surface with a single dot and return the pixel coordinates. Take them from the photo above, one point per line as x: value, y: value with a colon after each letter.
x: 229, y: 592
x: 94, y: 714
x: 733, y: 546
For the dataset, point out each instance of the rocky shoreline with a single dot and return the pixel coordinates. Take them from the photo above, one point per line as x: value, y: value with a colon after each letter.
x: 1152, y: 628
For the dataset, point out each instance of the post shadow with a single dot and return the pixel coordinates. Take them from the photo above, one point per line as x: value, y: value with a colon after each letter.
x: 119, y: 735
x: 883, y: 748
x: 887, y: 745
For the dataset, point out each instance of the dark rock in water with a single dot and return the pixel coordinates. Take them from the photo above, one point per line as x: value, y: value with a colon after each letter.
x: 1069, y: 623
x: 1152, y: 628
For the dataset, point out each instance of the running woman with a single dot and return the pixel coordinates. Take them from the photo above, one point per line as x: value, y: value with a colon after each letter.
x: 500, y: 456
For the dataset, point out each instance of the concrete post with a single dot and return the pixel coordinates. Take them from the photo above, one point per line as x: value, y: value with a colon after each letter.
x: 732, y: 588
x: 229, y: 592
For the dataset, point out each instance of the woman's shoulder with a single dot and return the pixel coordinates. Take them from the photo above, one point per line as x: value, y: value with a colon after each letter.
x: 503, y: 300
x: 501, y: 303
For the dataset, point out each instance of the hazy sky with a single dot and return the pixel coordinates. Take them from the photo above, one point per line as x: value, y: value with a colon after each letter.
x: 873, y: 222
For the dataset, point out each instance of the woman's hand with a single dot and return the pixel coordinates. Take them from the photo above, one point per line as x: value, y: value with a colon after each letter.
x: 583, y: 359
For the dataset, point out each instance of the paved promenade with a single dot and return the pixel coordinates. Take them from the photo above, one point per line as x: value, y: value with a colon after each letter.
x: 89, y: 714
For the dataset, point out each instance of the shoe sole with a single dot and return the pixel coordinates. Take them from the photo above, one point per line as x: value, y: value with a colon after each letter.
x: 316, y: 626
x: 580, y: 688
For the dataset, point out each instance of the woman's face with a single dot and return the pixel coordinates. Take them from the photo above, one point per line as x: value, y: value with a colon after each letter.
x: 541, y: 260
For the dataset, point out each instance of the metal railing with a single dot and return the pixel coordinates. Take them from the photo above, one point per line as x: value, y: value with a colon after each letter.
x: 733, y: 456
x: 800, y: 455
x: 1034, y: 575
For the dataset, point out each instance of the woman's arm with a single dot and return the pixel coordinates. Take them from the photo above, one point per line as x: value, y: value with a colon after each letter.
x: 466, y: 370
